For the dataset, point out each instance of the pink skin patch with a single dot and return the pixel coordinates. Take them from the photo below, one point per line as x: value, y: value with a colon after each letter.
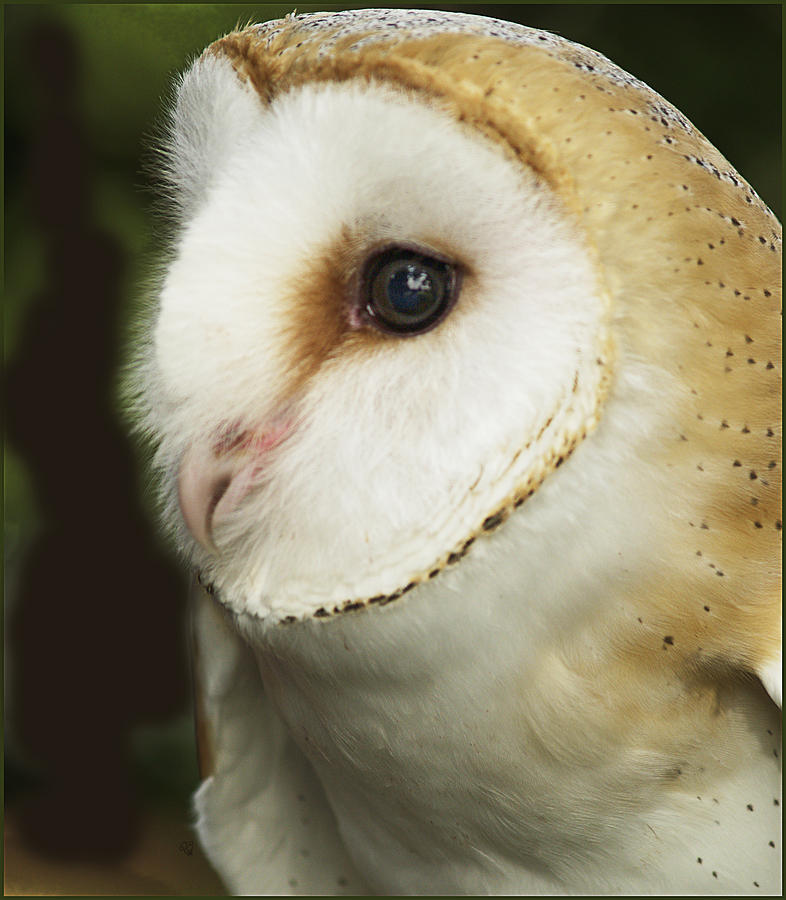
x: 214, y: 479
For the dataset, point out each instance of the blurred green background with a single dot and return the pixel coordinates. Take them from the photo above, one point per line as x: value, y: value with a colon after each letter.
x: 719, y: 64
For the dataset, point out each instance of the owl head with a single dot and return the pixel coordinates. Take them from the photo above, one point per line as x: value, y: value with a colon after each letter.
x: 438, y: 279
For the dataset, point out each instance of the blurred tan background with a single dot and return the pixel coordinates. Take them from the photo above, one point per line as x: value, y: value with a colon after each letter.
x: 99, y: 757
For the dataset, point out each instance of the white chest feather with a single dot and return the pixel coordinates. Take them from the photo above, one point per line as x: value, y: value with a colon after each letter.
x: 470, y: 737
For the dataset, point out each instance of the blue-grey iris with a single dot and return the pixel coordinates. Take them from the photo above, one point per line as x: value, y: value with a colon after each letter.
x: 406, y: 291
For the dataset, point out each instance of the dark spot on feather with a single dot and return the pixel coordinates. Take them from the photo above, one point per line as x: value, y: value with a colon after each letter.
x: 492, y: 522
x: 321, y: 613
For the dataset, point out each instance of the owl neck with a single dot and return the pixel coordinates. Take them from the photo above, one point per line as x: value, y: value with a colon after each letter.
x: 493, y: 724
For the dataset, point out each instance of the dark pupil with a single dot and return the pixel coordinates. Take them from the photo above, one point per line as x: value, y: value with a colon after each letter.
x: 411, y: 290
x: 408, y: 290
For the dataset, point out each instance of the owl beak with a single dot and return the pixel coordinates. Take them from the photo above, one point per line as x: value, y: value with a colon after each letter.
x: 215, y: 478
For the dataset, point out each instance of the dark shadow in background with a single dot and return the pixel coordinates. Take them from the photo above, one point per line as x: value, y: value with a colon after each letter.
x: 97, y: 628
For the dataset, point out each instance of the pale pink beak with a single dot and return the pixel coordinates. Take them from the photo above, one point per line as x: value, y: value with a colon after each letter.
x: 215, y: 478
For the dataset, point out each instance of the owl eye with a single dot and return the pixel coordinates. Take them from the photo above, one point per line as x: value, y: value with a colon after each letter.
x: 407, y: 291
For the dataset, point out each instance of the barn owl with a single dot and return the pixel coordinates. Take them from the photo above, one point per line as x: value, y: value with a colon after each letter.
x: 464, y: 388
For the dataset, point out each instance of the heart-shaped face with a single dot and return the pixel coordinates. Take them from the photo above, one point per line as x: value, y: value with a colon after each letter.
x: 370, y: 353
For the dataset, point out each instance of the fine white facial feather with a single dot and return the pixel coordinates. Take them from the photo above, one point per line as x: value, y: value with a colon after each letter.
x: 362, y: 497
